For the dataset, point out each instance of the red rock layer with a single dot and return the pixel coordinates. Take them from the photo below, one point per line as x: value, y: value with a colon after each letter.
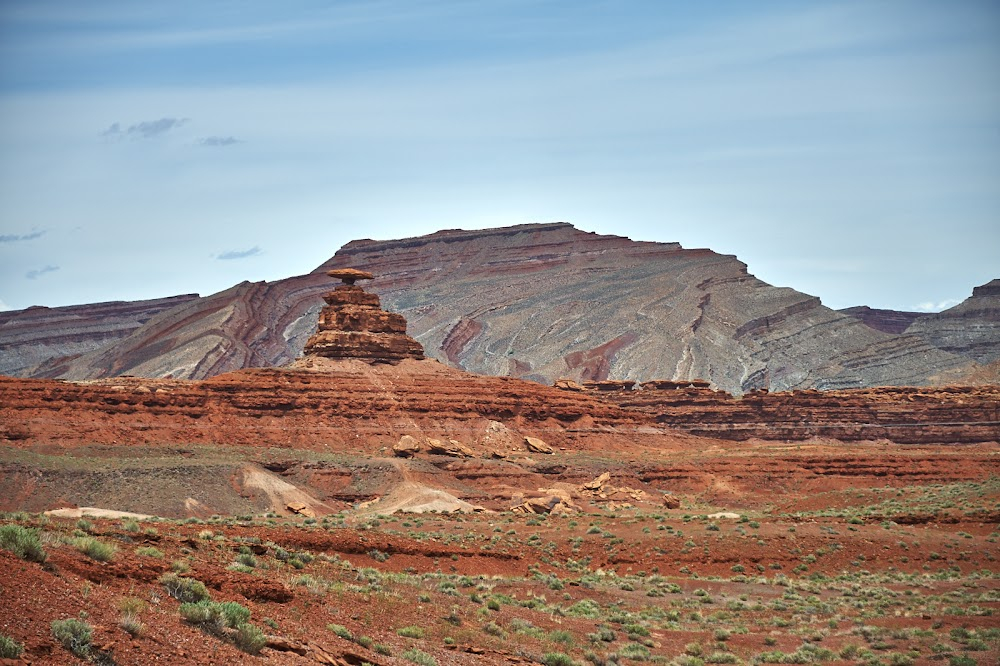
x: 347, y: 405
x: 905, y: 415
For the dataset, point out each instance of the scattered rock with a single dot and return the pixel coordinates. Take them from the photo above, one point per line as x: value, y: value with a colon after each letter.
x: 568, y: 385
x: 301, y: 509
x: 406, y: 447
x: 536, y: 445
x: 598, y: 483
x: 452, y: 448
x: 671, y: 502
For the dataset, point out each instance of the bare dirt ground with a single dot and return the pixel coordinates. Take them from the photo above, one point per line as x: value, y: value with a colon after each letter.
x: 278, y: 491
x: 830, y: 559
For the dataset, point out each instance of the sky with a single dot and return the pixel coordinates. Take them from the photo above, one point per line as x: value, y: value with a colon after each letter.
x: 849, y: 150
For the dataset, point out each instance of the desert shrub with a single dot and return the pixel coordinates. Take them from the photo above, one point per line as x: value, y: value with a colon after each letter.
x: 378, y: 555
x: 382, y: 649
x: 130, y: 526
x: 213, y: 616
x: 962, y: 660
x: 184, y: 589
x: 149, y: 551
x: 561, y: 636
x: 585, y: 608
x: 131, y: 605
x: 235, y: 614
x: 23, y: 542
x: 558, y: 659
x: 419, y: 657
x: 341, y: 631
x: 494, y: 629
x: 84, y: 525
x: 131, y: 624
x: 722, y: 658
x: 411, y: 632
x: 634, y: 651
x: 75, y: 635
x: 247, y: 560
x: 249, y: 638
x: 94, y: 549
x: 9, y: 648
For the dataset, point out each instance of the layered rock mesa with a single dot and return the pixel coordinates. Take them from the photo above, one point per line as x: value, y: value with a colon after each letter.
x: 541, y: 302
x: 353, y: 325
x: 903, y: 415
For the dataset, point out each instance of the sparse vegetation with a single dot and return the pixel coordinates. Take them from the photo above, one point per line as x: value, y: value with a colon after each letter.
x: 9, y: 648
x: 74, y: 635
x: 23, y: 542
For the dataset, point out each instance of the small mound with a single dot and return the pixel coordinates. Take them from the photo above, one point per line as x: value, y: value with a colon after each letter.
x: 412, y: 497
x: 96, y: 512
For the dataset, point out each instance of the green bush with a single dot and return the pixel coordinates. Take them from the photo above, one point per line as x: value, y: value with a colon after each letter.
x: 94, y: 549
x: 558, y: 659
x: 75, y: 635
x: 149, y: 551
x: 23, y: 542
x: 205, y: 615
x: 411, y: 632
x: 235, y: 614
x: 214, y: 616
x: 419, y: 657
x: 249, y: 638
x: 341, y: 631
x: 184, y: 589
x: 9, y: 648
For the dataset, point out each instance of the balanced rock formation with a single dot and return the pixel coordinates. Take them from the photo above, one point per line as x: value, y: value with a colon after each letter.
x: 354, y: 325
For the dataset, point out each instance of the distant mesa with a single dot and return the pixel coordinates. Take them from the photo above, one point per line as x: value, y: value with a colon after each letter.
x: 354, y: 325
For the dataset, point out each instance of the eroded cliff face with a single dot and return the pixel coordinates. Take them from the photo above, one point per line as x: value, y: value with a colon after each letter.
x: 39, y: 335
x: 970, y: 329
x: 542, y: 302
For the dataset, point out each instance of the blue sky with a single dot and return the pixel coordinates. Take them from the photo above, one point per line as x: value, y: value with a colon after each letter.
x: 850, y: 150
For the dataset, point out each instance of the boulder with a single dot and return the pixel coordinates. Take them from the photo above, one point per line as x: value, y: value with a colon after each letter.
x: 671, y: 502
x: 406, y: 447
x: 536, y: 445
x: 452, y: 448
x: 568, y: 385
x: 301, y: 509
x: 597, y: 484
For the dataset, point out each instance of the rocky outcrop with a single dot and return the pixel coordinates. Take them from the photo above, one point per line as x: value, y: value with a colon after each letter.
x: 887, y: 321
x: 542, y: 302
x: 970, y: 329
x: 353, y: 325
x: 904, y: 415
x: 318, y: 404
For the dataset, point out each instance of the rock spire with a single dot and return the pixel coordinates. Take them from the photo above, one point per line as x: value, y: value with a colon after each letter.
x: 354, y: 325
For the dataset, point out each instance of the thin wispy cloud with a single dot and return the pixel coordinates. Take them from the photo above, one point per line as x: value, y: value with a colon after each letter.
x: 931, y: 306
x: 36, y: 273
x: 239, y: 254
x: 146, y: 129
x: 219, y: 141
x: 17, y: 238
x: 4, y: 307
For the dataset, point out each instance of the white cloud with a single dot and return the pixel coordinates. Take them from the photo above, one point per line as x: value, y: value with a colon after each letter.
x: 931, y: 306
x: 4, y: 307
